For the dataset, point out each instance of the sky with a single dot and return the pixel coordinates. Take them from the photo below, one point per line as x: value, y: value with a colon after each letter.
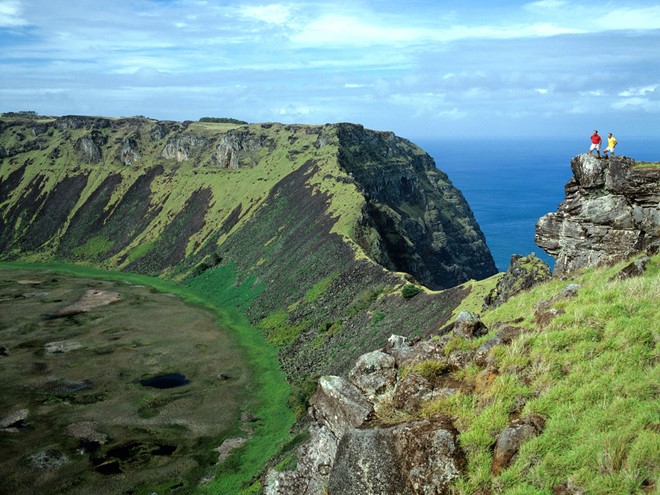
x: 422, y: 68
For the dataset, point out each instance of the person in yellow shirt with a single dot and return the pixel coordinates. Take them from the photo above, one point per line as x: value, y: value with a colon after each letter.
x: 611, y: 143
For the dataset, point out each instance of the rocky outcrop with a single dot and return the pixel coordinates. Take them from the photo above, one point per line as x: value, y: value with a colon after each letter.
x: 129, y: 152
x: 524, y: 272
x: 611, y: 212
x: 238, y: 147
x: 420, y: 457
x: 90, y: 147
x: 181, y: 147
x: 348, y: 454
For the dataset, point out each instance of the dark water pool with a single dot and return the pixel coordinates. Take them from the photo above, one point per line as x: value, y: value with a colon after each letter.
x: 165, y: 381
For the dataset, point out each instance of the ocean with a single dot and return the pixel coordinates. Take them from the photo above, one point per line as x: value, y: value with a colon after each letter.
x: 510, y: 184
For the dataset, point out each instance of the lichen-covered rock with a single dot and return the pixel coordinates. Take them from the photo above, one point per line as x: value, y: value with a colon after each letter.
x: 610, y: 213
x: 411, y: 391
x: 315, y: 459
x: 417, y: 458
x: 374, y: 373
x: 339, y: 405
x: 524, y: 272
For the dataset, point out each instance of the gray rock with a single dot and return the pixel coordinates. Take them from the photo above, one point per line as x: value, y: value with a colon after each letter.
x: 609, y: 214
x: 469, y: 325
x: 238, y: 148
x: 315, y: 460
x: 181, y: 147
x: 90, y: 145
x: 129, y: 152
x: 374, y: 373
x: 47, y: 459
x: 399, y: 347
x: 339, y: 405
x: 14, y: 418
x: 411, y: 391
x: 420, y: 457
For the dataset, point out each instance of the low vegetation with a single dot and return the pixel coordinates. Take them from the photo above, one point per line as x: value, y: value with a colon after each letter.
x: 591, y: 373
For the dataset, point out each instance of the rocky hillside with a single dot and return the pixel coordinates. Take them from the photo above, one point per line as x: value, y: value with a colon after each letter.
x: 610, y: 212
x: 305, y: 228
x: 552, y: 389
x: 553, y: 392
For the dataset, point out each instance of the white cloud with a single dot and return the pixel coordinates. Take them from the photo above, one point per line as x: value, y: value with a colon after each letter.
x: 631, y: 18
x: 278, y: 14
x: 640, y: 91
x: 545, y: 5
x: 11, y: 14
x: 348, y: 30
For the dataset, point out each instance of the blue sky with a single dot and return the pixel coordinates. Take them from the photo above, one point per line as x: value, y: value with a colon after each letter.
x: 421, y: 68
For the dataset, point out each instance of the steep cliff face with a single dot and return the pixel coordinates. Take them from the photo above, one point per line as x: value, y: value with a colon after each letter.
x: 610, y: 213
x: 419, y: 222
x: 306, y: 222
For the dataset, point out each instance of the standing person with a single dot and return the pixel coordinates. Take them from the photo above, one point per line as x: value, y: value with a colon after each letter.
x: 595, y: 143
x: 611, y: 143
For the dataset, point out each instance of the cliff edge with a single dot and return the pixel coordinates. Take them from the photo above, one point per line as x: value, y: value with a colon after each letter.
x: 611, y: 212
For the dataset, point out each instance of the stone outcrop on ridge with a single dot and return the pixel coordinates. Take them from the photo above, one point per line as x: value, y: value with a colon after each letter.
x: 611, y: 212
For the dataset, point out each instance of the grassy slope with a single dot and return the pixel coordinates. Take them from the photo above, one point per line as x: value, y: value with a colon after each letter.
x: 592, y: 373
x: 248, y: 186
x: 270, y: 391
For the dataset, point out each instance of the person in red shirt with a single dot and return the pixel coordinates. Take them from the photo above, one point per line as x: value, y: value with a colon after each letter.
x: 595, y: 143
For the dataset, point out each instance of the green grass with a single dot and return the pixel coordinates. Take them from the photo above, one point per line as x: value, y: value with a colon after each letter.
x: 319, y: 288
x: 93, y: 247
x: 592, y: 373
x: 215, y: 290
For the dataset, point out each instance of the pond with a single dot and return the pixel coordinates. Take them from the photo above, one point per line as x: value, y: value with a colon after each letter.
x: 172, y: 380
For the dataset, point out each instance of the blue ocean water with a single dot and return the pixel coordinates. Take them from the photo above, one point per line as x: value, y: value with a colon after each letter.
x: 510, y: 184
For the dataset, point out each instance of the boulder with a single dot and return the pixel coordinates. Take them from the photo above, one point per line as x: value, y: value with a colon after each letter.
x: 374, y: 373
x: 469, y: 325
x: 315, y: 459
x: 411, y: 391
x: 339, y: 405
x: 399, y: 347
x: 15, y: 419
x: 421, y: 457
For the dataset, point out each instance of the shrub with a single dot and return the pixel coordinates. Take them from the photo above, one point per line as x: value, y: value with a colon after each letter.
x: 410, y: 291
